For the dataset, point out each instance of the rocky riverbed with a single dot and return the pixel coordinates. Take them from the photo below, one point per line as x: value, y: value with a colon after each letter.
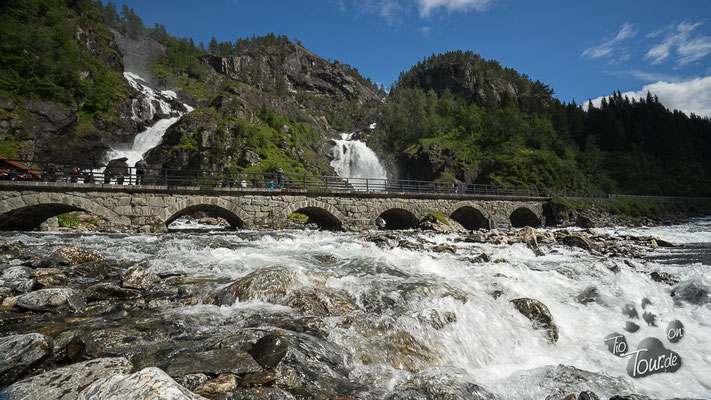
x: 306, y: 314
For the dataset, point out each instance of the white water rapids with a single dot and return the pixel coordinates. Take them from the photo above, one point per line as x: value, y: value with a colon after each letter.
x: 401, y: 292
x: 145, y: 110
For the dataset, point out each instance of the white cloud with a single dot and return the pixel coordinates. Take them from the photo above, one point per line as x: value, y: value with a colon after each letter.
x: 690, y: 96
x: 390, y: 10
x: 428, y: 6
x: 681, y: 43
x: 610, y: 46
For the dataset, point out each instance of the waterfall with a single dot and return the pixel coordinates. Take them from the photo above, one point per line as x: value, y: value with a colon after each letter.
x: 353, y: 159
x: 144, y: 110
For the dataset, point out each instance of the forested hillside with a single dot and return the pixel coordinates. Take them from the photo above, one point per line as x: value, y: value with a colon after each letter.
x: 263, y: 102
x: 458, y: 116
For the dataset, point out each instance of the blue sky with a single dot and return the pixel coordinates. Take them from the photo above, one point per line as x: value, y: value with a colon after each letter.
x: 581, y: 49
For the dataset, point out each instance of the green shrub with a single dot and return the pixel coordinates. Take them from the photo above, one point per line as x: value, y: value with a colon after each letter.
x: 68, y: 220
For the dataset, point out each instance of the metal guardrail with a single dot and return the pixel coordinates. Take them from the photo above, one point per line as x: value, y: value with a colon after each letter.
x: 44, y: 171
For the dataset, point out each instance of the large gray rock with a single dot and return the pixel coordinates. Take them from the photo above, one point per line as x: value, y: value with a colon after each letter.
x: 148, y: 383
x: 16, y: 272
x: 440, y: 383
x: 265, y: 284
x: 20, y: 353
x: 67, y: 382
x: 76, y: 255
x: 320, y: 301
x: 213, y: 362
x: 139, y: 278
x: 539, y: 314
x: 269, y: 350
x: 561, y: 380
x: 52, y: 299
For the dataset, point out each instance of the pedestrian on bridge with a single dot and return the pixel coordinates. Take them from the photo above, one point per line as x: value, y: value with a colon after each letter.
x: 280, y: 178
x: 141, y: 166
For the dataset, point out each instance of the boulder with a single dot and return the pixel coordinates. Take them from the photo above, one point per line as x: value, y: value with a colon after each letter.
x: 320, y: 301
x: 48, y: 277
x: 559, y: 381
x: 19, y: 354
x: 66, y: 383
x: 265, y: 284
x: 148, y: 383
x: 576, y: 241
x: 81, y: 348
x: 527, y: 235
x: 475, y: 237
x: 664, y: 277
x: 260, y: 393
x: 440, y: 383
x: 51, y: 299
x: 589, y: 295
x: 139, y: 278
x: 16, y: 272
x: 269, y: 350
x: 445, y: 248
x: 539, y: 314
x: 76, y: 255
x: 109, y: 290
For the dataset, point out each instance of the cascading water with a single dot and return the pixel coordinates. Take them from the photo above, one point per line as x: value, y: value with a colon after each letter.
x: 417, y: 316
x: 145, y: 110
x: 353, y: 159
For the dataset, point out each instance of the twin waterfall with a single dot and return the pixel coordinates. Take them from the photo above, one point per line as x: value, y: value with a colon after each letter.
x: 353, y: 159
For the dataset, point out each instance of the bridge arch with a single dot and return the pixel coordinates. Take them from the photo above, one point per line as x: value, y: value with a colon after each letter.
x: 397, y: 215
x: 27, y: 212
x: 233, y: 214
x: 524, y: 215
x: 325, y: 215
x: 470, y: 215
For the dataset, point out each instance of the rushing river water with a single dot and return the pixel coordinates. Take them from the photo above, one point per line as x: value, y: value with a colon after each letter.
x: 431, y: 314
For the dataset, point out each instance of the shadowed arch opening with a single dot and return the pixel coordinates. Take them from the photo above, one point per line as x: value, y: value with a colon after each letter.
x: 31, y: 217
x: 470, y: 218
x: 398, y: 218
x: 322, y: 218
x: 524, y: 217
x: 234, y: 221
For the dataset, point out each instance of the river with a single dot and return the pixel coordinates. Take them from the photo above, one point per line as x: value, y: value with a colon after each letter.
x: 429, y: 316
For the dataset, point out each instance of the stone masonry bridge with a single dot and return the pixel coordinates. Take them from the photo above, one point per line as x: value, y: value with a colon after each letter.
x: 25, y: 205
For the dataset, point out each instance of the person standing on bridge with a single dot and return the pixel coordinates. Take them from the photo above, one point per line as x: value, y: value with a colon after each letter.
x: 141, y: 166
x: 280, y: 178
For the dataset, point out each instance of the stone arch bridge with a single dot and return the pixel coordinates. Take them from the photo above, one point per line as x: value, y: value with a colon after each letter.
x: 25, y: 205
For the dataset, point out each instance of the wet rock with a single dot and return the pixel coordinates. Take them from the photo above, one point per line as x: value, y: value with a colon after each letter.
x: 440, y: 383
x: 587, y: 395
x: 441, y: 224
x: 110, y: 290
x: 380, y: 241
x: 192, y: 381
x: 17, y: 272
x: 49, y: 262
x: 51, y: 299
x: 67, y: 382
x: 445, y: 248
x: 546, y: 237
x: 664, y: 243
x: 663, y: 277
x: 82, y: 348
x: 217, y: 387
x: 539, y: 314
x: 269, y: 350
x: 8, y: 303
x: 496, y: 293
x: 436, y: 318
x: 148, y: 383
x: 396, y: 348
x: 19, y: 285
x: 475, y: 237
x: 589, y: 295
x: 325, y: 259
x: 265, y: 284
x: 527, y: 235
x: 481, y: 258
x: 76, y: 255
x: 139, y: 278
x: 286, y: 377
x: 19, y: 354
x: 576, y: 241
x: 562, y: 380
x: 691, y: 292
x: 49, y: 277
x: 258, y: 379
x: 211, y: 362
x: 320, y: 301
x: 260, y: 393
x: 97, y: 269
x: 407, y: 245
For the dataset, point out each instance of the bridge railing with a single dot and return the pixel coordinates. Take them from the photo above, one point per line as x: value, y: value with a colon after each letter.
x: 30, y: 170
